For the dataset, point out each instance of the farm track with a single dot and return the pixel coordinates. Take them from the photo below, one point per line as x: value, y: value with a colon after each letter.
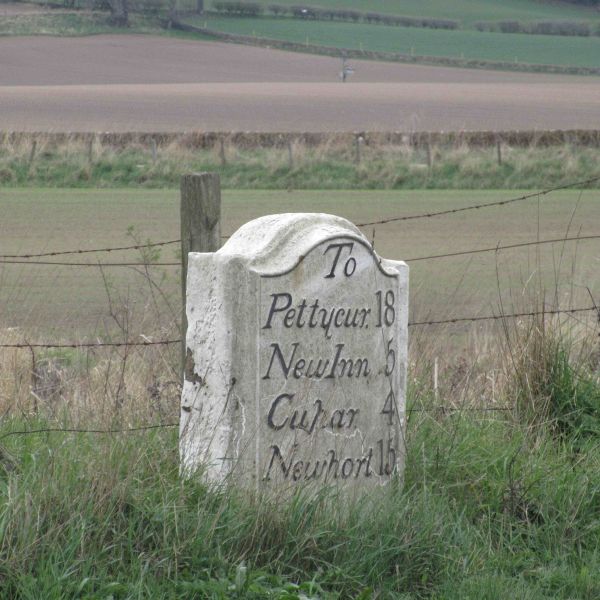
x: 150, y: 83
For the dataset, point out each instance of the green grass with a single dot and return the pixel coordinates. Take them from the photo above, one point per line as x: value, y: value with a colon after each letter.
x: 325, y: 167
x: 489, y: 510
x: 531, y: 49
x: 66, y: 302
x: 467, y: 11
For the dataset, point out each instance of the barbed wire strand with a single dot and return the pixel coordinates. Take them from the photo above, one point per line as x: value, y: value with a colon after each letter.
x: 75, y: 430
x: 380, y: 222
x: 483, y: 205
x: 93, y: 344
x: 172, y: 264
x: 505, y: 316
x: 506, y: 247
x: 443, y: 409
x: 410, y: 324
x: 436, y: 409
x: 537, y: 194
x: 97, y: 265
x: 85, y: 251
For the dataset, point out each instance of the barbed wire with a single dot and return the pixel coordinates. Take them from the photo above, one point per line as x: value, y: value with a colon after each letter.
x: 443, y: 409
x: 507, y: 316
x: 380, y: 222
x: 496, y: 248
x: 92, y: 344
x: 24, y: 432
x: 506, y: 247
x: 483, y: 205
x: 85, y: 251
x: 75, y: 430
x: 97, y: 265
x: 410, y: 324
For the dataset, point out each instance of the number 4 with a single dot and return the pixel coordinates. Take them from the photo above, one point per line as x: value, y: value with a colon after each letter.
x: 389, y: 407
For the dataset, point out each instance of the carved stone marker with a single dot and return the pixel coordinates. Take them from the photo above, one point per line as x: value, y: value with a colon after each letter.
x: 296, y: 358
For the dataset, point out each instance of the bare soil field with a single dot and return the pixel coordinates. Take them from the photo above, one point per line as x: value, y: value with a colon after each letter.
x: 151, y: 83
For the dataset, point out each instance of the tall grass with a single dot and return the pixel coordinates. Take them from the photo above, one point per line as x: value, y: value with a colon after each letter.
x: 329, y: 166
x: 495, y: 503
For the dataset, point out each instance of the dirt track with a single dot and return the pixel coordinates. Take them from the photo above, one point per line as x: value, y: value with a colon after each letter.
x: 148, y: 83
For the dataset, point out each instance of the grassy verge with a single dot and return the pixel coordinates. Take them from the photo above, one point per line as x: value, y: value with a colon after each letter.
x: 328, y: 167
x: 459, y: 44
x: 495, y: 505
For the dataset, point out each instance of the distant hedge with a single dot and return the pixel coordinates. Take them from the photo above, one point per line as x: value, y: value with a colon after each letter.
x: 583, y: 2
x: 253, y: 9
x: 574, y: 28
x: 244, y: 9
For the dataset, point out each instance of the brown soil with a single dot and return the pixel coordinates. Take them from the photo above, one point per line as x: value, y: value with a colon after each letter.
x: 149, y: 83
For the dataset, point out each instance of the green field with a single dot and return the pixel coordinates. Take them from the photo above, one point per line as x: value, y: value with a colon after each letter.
x: 467, y: 44
x: 72, y: 302
x: 467, y: 11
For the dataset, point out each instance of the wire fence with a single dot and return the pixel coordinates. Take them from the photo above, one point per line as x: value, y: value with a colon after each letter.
x: 100, y: 265
x: 400, y: 218
x: 24, y: 259
x: 64, y: 430
x: 92, y: 344
x: 88, y: 250
x: 497, y: 317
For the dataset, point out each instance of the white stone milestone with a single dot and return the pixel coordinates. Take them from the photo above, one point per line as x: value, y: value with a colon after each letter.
x: 296, y: 358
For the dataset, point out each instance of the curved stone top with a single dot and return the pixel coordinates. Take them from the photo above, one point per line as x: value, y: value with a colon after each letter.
x: 277, y: 243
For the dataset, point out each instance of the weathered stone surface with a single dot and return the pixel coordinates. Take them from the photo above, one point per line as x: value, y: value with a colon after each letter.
x: 296, y: 361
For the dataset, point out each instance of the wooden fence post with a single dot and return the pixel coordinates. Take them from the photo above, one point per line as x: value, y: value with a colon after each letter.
x: 154, y: 151
x: 358, y: 140
x: 428, y: 152
x: 499, y: 152
x: 290, y: 154
x: 32, y: 152
x: 200, y: 214
x: 222, y: 156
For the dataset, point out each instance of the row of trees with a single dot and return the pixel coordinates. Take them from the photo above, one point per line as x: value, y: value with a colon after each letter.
x: 120, y: 9
x: 582, y: 2
x: 575, y: 28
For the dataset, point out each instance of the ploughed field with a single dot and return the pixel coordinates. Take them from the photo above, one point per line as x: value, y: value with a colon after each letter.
x: 151, y: 83
x: 64, y: 302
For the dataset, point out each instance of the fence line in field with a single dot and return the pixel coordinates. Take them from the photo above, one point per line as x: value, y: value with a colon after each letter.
x: 23, y: 259
x: 92, y: 344
x: 450, y: 211
x: 496, y: 248
x: 421, y: 409
x: 82, y: 251
x: 80, y: 264
x: 5, y: 257
x: 506, y: 247
x: 75, y: 430
x: 535, y: 313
